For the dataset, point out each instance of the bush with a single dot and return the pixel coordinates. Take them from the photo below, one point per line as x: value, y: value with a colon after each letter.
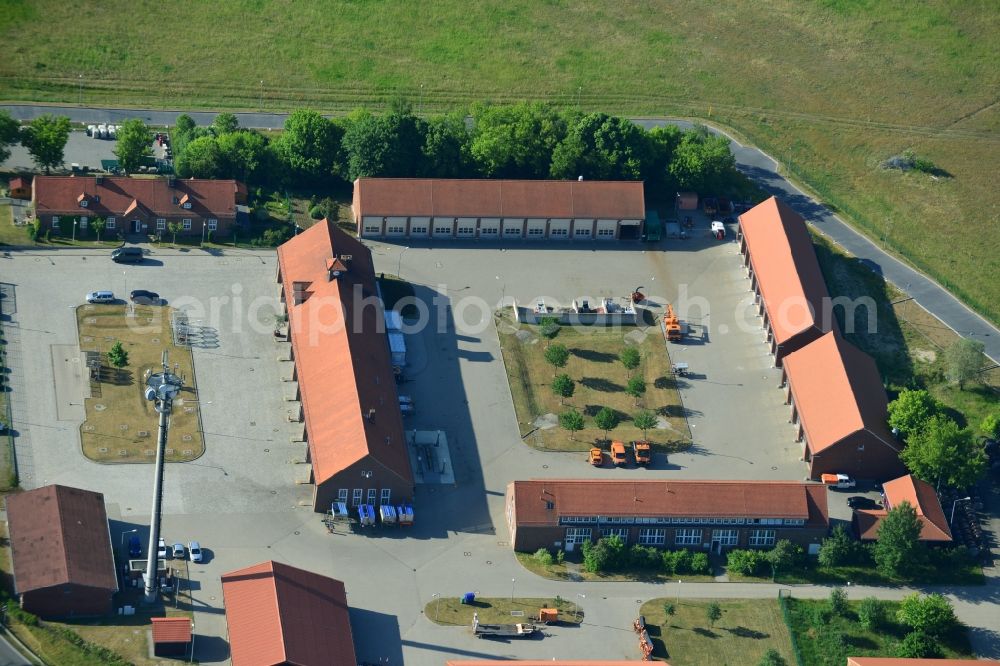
x: 560, y: 556
x: 819, y: 616
x: 931, y: 614
x: 838, y: 602
x: 316, y: 213
x: 871, y: 614
x: 542, y: 556
x: 917, y: 645
x: 699, y: 564
x: 15, y: 611
x: 991, y: 426
x: 682, y: 561
x: 747, y: 562
x: 644, y: 557
x: 840, y: 549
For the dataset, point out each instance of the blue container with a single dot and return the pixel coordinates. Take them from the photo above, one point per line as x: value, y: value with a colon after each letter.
x: 468, y: 597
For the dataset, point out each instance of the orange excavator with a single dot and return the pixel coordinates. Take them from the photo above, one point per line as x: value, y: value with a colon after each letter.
x: 671, y: 325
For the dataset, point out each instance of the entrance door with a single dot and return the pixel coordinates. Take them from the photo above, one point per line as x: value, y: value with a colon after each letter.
x: 576, y: 535
x: 136, y: 226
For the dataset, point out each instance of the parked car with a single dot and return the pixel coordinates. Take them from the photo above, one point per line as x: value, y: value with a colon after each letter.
x: 134, y: 546
x: 862, y: 502
x: 596, y: 457
x: 642, y: 452
x: 194, y: 549
x: 127, y: 255
x: 178, y: 551
x: 101, y: 297
x: 143, y: 297
x: 838, y: 481
x: 618, y: 453
x: 161, y: 549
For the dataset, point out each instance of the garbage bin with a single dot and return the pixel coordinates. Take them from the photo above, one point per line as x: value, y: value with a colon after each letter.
x: 468, y: 597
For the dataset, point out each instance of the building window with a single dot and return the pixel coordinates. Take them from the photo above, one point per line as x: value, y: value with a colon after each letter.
x: 187, y: 204
x: 561, y: 231
x: 110, y: 223
x: 83, y: 203
x: 372, y: 230
x: 488, y: 231
x: 577, y: 534
x: 371, y: 495
x: 726, y: 537
x: 418, y: 230
x: 582, y: 232
x: 687, y: 537
x: 83, y: 221
x: 386, y: 495
x: 161, y: 224
x: 620, y: 532
x: 396, y: 230
x: 55, y: 221
x: 467, y: 231
x: 795, y: 521
x: 512, y: 231
x: 213, y: 224
x: 187, y: 223
x: 605, y: 232
x: 652, y: 536
x: 761, y: 537
x: 342, y: 495
x: 536, y: 231
x: 356, y: 497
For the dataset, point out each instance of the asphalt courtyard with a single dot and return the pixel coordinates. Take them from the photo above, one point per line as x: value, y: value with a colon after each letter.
x: 241, y: 501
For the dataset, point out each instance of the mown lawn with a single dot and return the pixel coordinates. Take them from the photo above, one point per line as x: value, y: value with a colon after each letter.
x: 600, y: 382
x: 831, y: 88
x: 829, y: 640
x: 748, y: 628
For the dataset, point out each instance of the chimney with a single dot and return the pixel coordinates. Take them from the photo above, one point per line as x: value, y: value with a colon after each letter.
x: 371, y: 415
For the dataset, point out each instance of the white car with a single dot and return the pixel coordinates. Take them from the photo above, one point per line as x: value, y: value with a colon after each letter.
x: 100, y: 297
x: 161, y: 549
x: 179, y: 552
x: 194, y: 548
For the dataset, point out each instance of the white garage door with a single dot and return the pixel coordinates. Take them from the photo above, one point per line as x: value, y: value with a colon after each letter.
x: 489, y: 227
x: 420, y: 227
x: 395, y: 226
x: 512, y: 227
x: 371, y: 226
x: 583, y: 229
x: 536, y: 229
x: 444, y: 226
x: 559, y: 229
x: 607, y: 229
x: 465, y: 227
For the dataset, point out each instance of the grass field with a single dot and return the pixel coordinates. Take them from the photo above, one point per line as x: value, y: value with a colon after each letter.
x: 121, y: 424
x: 831, y: 88
x: 600, y: 382
x: 747, y: 629
x: 828, y: 642
x: 451, y: 611
x: 572, y: 570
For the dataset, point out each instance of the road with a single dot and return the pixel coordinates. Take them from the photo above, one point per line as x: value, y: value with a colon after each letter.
x: 749, y: 160
x: 11, y: 657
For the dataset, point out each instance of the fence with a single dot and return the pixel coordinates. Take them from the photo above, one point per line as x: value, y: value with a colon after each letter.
x: 783, y: 596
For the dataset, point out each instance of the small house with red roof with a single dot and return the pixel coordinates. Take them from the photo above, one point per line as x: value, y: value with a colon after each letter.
x: 918, y: 494
x: 19, y: 187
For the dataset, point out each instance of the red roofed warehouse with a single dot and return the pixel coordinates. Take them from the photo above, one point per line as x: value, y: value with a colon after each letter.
x: 840, y: 406
x: 921, y: 496
x: 543, y: 513
x: 280, y: 615
x: 137, y: 205
x: 171, y: 636
x: 784, y: 276
x: 492, y: 209
x: 60, y: 547
x: 346, y: 385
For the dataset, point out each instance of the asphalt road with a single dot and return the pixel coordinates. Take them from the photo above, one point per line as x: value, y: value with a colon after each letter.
x: 11, y: 657
x: 751, y: 161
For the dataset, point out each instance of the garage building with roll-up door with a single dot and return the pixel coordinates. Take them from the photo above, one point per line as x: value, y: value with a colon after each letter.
x: 498, y: 209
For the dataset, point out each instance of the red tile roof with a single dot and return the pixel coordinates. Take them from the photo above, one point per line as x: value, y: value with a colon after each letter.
x: 19, y: 183
x: 788, y: 273
x: 683, y: 499
x: 56, y: 195
x: 344, y: 372
x: 171, y: 630
x: 838, y: 391
x: 897, y: 661
x: 542, y: 662
x: 59, y: 535
x: 279, y: 614
x: 499, y: 198
x: 921, y: 496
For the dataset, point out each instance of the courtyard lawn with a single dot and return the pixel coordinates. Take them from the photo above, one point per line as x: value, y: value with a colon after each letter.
x: 572, y: 570
x: 503, y: 610
x: 600, y: 382
x: 126, y: 636
x: 121, y: 424
x: 747, y: 629
x: 830, y: 639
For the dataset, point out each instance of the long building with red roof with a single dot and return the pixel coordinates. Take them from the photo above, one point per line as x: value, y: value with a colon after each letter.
x: 350, y: 408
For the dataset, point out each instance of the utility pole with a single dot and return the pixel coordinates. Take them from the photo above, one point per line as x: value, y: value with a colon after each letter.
x: 161, y: 388
x: 261, y: 106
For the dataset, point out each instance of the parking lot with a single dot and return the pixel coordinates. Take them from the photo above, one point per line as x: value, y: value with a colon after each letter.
x: 240, y: 500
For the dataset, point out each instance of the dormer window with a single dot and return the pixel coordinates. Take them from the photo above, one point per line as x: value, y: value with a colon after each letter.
x: 185, y: 201
x: 187, y: 204
x: 83, y: 203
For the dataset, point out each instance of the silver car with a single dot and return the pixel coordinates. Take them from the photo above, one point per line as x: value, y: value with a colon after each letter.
x: 194, y: 549
x: 179, y: 551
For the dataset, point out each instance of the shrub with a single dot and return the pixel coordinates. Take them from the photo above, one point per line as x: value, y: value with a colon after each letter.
x: 917, y: 645
x: 930, y: 614
x: 316, y: 213
x: 747, y: 562
x: 991, y: 426
x: 644, y: 557
x: 871, y: 614
x: 838, y: 602
x: 560, y: 556
x: 682, y: 561
x: 772, y: 658
x: 839, y: 549
x: 699, y: 564
x: 819, y: 616
x: 542, y: 556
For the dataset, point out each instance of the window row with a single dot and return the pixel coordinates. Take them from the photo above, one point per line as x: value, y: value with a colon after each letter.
x: 661, y: 520
x: 358, y: 494
x: 655, y: 536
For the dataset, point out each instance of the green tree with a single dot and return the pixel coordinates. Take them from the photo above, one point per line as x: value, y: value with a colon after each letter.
x: 563, y: 387
x: 10, y: 134
x: 134, y: 143
x: 931, y: 614
x: 543, y: 556
x: 515, y: 141
x: 118, y: 355
x: 703, y: 162
x: 636, y: 388
x: 663, y: 141
x: 644, y: 420
x: 174, y: 228
x: 917, y: 645
x: 549, y: 327
x: 838, y: 602
x: 964, y: 361
x: 713, y: 613
x: 572, y: 421
x: 871, y: 614
x: 557, y: 355
x: 991, y: 426
x: 201, y: 158
x: 911, y: 410
x: 389, y: 145
x: 783, y: 557
x: 225, y: 123
x: 98, y: 224
x: 944, y: 452
x: 45, y: 139
x: 669, y: 610
x: 606, y: 419
x: 243, y: 155
x: 898, y: 550
x: 446, y: 151
x: 838, y: 549
x: 309, y: 147
x: 772, y: 658
x: 602, y: 147
x: 630, y: 358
